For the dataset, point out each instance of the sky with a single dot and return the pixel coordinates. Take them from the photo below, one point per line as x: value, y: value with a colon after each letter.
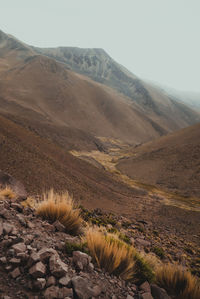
x: 158, y: 40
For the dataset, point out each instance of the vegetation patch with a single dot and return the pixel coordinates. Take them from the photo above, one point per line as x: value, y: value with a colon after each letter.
x: 179, y: 283
x: 7, y: 193
x: 159, y: 252
x: 60, y: 207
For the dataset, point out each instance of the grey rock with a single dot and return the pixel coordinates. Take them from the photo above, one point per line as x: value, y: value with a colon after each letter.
x: 7, y: 228
x: 145, y: 287
x: 59, y: 226
x: 46, y: 253
x: 19, y: 248
x: 57, y: 267
x: 34, y: 258
x: 82, y: 289
x: 65, y: 281
x: 15, y: 273
x: 81, y: 260
x: 142, y: 242
x: 159, y: 293
x: 38, y: 270
x: 147, y: 296
x: 51, y: 293
x: 15, y: 261
x: 51, y: 281
x: 40, y: 283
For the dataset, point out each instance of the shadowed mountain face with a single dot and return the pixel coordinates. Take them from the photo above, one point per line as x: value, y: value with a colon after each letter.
x: 172, y: 162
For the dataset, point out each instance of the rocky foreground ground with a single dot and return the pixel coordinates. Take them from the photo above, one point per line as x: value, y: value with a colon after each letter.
x: 34, y: 262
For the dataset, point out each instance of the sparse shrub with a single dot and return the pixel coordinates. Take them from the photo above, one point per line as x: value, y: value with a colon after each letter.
x: 60, y: 207
x: 110, y: 253
x: 179, y: 283
x: 71, y: 246
x: 7, y: 193
x: 159, y: 252
x: 112, y: 230
x: 143, y: 269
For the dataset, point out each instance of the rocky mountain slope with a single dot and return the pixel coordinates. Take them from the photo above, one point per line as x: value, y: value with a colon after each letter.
x: 99, y: 66
x: 171, y: 162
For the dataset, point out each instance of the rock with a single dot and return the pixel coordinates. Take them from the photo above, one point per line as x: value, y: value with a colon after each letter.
x: 4, y: 213
x: 1, y: 229
x: 21, y: 219
x: 142, y: 242
x: 57, y: 267
x: 3, y: 260
x: 129, y: 297
x: 15, y: 261
x: 51, y: 293
x: 51, y: 281
x: 159, y: 293
x: 15, y: 273
x: 19, y: 248
x: 46, y: 253
x: 147, y: 296
x: 17, y: 207
x: 65, y: 292
x: 81, y: 260
x: 65, y: 281
x: 59, y: 226
x: 7, y: 228
x: 34, y: 258
x: 40, y: 283
x: 82, y: 288
x: 38, y: 270
x: 145, y: 287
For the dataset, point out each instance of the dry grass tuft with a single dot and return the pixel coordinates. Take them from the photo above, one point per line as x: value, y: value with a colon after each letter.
x: 110, y: 253
x: 60, y: 207
x: 7, y: 193
x: 178, y: 282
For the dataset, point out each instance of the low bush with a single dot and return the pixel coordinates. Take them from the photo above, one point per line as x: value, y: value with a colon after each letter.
x: 7, y: 193
x: 178, y: 282
x: 143, y: 269
x: 71, y: 246
x: 60, y: 207
x: 159, y: 252
x: 110, y: 253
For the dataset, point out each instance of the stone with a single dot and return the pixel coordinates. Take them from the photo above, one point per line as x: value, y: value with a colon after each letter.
x: 15, y: 273
x: 19, y: 248
x: 15, y: 261
x: 4, y: 213
x: 51, y: 293
x: 33, y: 258
x: 17, y: 207
x: 57, y: 267
x: 142, y: 242
x: 3, y: 260
x: 81, y: 288
x: 65, y: 292
x: 65, y: 281
x: 147, y: 296
x: 81, y: 260
x: 7, y: 228
x: 51, y: 281
x: 159, y: 293
x: 145, y: 287
x: 129, y: 297
x: 38, y: 270
x: 46, y: 253
x: 1, y: 228
x: 40, y: 283
x: 59, y: 226
x: 21, y: 219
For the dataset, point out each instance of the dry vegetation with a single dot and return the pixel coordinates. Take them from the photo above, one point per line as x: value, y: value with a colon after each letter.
x: 7, y: 193
x: 110, y: 253
x: 178, y: 282
x: 60, y: 207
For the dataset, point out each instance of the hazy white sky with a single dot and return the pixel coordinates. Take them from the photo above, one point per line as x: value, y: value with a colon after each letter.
x: 156, y: 39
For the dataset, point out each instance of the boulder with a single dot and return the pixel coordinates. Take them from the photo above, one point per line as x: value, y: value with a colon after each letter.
x: 19, y: 248
x: 81, y: 260
x: 38, y: 270
x: 159, y: 293
x: 57, y: 267
x: 46, y: 253
x: 83, y: 290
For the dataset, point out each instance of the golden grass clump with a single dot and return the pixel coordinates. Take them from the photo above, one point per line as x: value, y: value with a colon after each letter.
x: 7, y: 193
x: 60, y: 207
x: 110, y: 253
x: 178, y: 282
